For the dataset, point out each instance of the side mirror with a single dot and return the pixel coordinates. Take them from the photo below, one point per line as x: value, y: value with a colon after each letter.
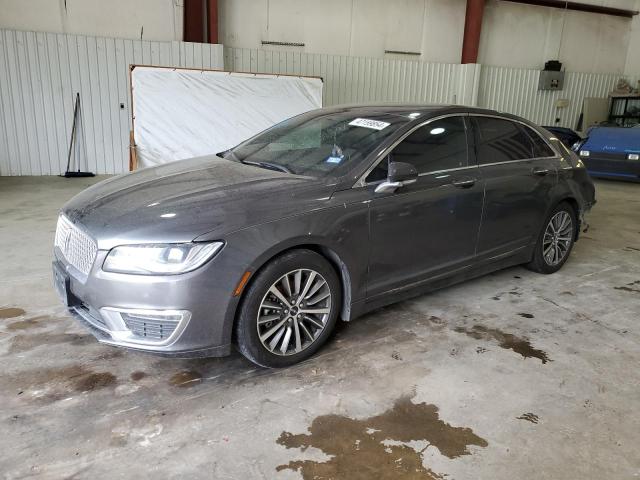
x: 400, y: 174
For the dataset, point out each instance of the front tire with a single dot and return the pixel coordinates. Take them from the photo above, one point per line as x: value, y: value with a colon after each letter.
x: 289, y: 310
x: 555, y: 241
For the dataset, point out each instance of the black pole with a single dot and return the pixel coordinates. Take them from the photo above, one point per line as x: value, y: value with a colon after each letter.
x: 68, y: 173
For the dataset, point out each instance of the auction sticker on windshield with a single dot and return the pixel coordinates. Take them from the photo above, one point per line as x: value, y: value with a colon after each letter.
x: 366, y: 123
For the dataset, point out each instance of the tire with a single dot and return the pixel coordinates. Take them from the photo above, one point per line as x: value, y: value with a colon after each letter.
x: 268, y: 336
x: 559, y: 245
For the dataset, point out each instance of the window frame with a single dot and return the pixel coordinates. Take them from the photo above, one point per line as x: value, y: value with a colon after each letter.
x: 519, y: 122
x: 361, y: 182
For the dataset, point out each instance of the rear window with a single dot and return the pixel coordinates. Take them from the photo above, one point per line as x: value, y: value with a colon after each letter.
x: 501, y: 140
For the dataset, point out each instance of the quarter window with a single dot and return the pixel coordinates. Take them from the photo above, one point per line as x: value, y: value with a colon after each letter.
x: 540, y: 147
x: 439, y: 145
x: 501, y: 140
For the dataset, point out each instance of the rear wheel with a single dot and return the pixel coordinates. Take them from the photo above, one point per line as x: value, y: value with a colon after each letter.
x: 289, y: 310
x: 555, y: 241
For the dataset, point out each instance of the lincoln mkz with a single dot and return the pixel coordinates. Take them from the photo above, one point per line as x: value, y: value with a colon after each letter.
x: 325, y: 216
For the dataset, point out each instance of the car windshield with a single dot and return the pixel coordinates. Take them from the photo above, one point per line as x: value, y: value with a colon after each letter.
x: 318, y: 144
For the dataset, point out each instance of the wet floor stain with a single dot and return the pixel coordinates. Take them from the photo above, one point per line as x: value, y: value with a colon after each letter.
x: 529, y: 417
x: 513, y: 293
x: 186, y: 379
x: 526, y: 315
x: 376, y: 447
x: 24, y: 342
x: 11, y: 312
x: 630, y: 287
x: 53, y: 384
x: 137, y: 376
x: 507, y: 341
x: 26, y: 324
x: 92, y: 381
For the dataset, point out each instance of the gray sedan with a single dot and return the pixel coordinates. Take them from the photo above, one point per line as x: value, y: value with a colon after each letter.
x: 327, y: 215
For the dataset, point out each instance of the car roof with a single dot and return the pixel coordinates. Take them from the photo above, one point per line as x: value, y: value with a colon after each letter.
x: 404, y: 109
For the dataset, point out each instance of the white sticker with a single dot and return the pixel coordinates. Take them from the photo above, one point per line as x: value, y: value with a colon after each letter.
x: 366, y: 123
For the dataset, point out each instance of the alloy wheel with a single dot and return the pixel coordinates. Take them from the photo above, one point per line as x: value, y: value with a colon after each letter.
x: 557, y: 238
x: 294, y: 312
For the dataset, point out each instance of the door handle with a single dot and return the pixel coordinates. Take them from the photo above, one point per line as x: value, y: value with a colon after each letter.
x: 540, y: 171
x: 464, y: 183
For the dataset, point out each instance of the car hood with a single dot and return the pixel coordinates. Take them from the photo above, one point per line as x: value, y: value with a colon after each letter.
x: 618, y: 140
x: 180, y: 201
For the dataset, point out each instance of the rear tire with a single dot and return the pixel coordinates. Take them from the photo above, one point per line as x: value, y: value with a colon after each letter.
x: 289, y: 310
x: 555, y: 241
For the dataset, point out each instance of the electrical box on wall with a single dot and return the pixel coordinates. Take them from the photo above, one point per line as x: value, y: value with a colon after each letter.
x: 551, y: 80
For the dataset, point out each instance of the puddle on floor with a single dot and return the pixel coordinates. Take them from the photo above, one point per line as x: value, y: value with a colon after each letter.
x: 11, y: 312
x: 507, y: 341
x: 375, y: 447
x: 24, y: 342
x: 52, y: 384
x: 27, y: 323
x: 137, y: 376
x: 186, y: 379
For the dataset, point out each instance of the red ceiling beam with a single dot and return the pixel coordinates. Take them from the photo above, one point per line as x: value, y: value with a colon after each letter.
x: 580, y: 7
x: 472, y: 30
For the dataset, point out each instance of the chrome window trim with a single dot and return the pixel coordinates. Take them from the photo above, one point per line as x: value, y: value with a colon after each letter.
x: 556, y: 156
x: 361, y: 180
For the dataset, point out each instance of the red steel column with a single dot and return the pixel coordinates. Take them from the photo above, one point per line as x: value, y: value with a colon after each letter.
x: 472, y: 29
x: 193, y: 21
x: 212, y: 21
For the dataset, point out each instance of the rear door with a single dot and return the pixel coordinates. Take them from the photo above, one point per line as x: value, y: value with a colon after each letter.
x: 430, y: 227
x: 519, y: 172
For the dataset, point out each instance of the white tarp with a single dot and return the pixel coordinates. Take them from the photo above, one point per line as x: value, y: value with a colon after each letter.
x: 188, y: 113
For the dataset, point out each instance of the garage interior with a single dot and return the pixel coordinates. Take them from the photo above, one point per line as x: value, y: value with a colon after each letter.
x: 510, y: 375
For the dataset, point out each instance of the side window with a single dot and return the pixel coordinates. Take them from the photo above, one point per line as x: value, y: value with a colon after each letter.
x: 439, y: 145
x: 540, y: 147
x: 501, y: 140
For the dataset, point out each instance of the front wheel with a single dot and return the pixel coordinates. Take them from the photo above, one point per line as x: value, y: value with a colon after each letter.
x: 555, y: 241
x: 289, y: 310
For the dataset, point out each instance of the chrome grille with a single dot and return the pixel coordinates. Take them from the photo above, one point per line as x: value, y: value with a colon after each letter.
x: 76, y: 246
x: 151, y: 327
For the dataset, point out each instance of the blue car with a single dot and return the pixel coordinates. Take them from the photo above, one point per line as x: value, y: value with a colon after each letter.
x: 612, y: 152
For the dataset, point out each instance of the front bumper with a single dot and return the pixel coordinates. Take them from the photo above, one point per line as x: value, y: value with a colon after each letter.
x: 178, y: 315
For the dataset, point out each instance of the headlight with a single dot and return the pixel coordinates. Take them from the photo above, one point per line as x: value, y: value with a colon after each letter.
x: 167, y: 259
x: 584, y: 153
x: 633, y: 156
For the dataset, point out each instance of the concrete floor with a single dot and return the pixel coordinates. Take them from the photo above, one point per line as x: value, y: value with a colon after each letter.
x: 513, y: 375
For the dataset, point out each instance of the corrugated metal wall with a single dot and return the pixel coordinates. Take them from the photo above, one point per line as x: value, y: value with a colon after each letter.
x: 516, y: 91
x: 355, y: 79
x: 40, y: 74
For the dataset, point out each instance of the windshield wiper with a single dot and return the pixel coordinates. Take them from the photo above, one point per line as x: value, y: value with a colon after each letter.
x: 268, y: 165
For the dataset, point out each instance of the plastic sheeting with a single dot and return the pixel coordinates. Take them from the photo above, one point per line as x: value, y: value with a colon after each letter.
x: 188, y: 113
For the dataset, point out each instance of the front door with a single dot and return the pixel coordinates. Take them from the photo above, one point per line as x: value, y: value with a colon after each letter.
x: 430, y: 227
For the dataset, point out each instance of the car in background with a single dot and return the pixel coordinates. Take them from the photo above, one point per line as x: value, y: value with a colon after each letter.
x: 565, y: 135
x: 327, y: 215
x: 612, y: 152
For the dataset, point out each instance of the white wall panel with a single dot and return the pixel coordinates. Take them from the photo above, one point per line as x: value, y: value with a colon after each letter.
x: 356, y: 79
x: 516, y: 91
x: 40, y: 74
